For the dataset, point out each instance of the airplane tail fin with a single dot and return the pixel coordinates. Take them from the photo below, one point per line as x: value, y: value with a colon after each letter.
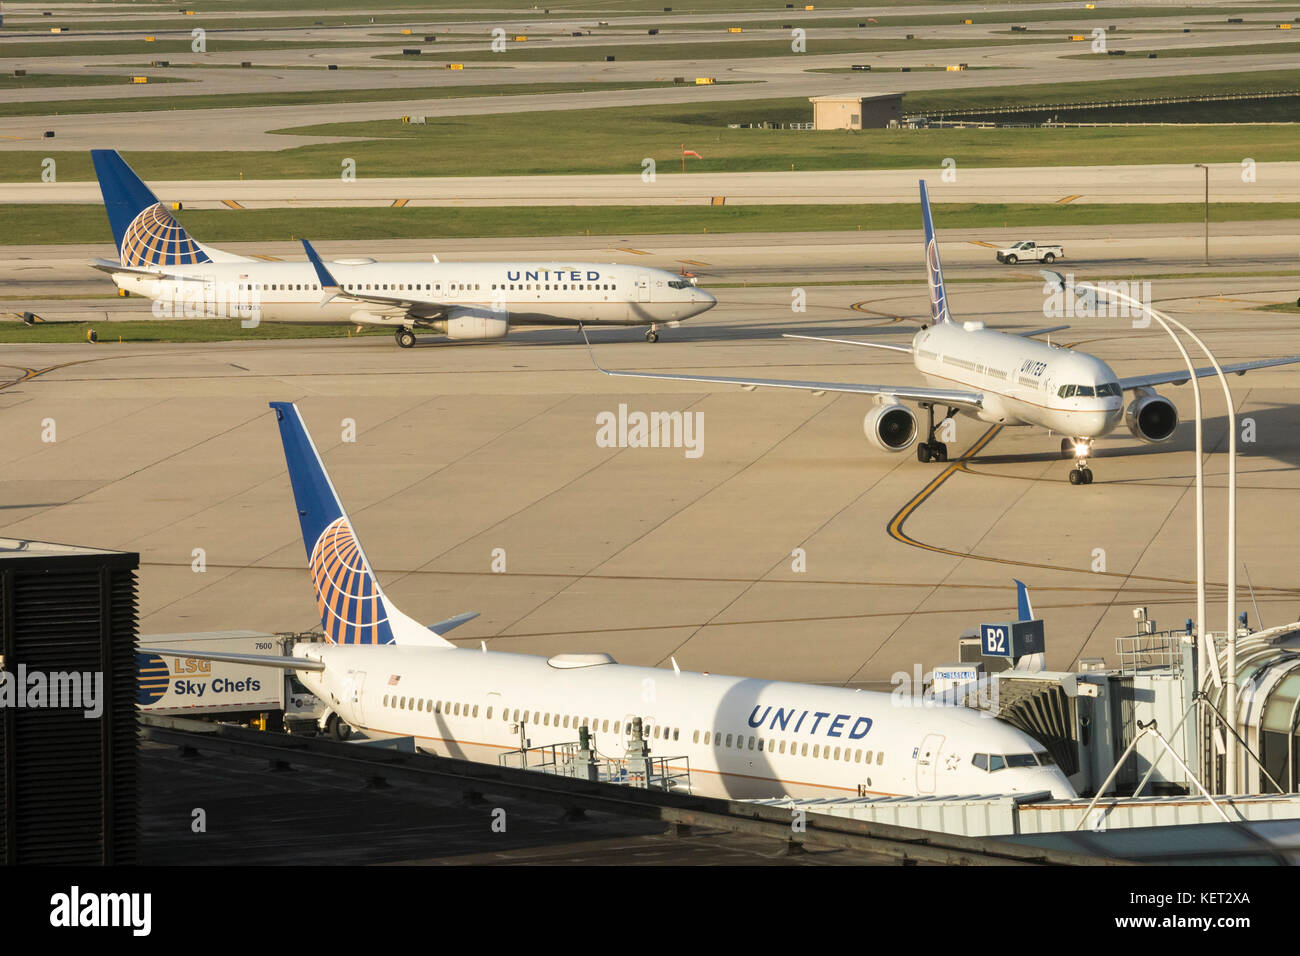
x: 933, y: 270
x: 146, y: 234
x: 353, y: 607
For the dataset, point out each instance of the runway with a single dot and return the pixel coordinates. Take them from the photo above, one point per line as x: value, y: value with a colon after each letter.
x: 1075, y: 185
x: 646, y: 553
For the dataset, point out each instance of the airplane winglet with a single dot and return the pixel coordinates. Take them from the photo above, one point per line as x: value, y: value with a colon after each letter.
x: 1026, y: 610
x: 328, y: 284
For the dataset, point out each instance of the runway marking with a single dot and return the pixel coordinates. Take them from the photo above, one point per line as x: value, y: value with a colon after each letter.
x: 692, y: 262
x: 986, y: 245
x: 635, y: 252
x: 1068, y: 199
x: 862, y: 307
x: 30, y: 373
x: 399, y: 203
x: 896, y: 523
x: 266, y: 258
x: 230, y: 203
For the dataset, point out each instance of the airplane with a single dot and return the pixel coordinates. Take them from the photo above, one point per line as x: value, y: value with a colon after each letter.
x: 997, y: 377
x: 463, y: 301
x: 385, y: 674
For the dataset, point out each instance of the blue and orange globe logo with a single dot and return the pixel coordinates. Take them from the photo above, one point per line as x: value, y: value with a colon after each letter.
x: 154, y: 238
x: 351, y: 608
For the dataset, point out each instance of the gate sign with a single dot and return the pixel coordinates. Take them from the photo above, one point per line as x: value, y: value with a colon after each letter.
x: 1013, y: 639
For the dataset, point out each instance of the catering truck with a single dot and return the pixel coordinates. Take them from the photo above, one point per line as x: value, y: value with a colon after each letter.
x: 173, y: 685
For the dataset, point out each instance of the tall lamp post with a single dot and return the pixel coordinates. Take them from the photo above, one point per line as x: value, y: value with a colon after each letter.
x: 1207, y: 210
x: 1205, y: 650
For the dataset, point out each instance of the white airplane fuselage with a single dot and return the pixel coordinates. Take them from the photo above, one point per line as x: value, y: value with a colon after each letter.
x: 528, y: 293
x: 738, y: 737
x: 1023, y: 381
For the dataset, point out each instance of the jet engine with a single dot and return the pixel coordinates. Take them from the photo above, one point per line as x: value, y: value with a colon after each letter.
x: 890, y: 427
x: 1151, y: 418
x: 474, y: 324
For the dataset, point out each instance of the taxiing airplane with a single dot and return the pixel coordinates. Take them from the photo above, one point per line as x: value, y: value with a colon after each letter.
x: 461, y: 300
x: 386, y: 674
x: 1001, y: 378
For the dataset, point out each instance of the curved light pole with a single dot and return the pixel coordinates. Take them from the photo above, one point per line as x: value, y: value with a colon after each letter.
x: 1205, y: 652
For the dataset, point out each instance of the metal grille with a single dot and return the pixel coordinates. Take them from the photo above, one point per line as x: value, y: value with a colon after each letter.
x: 69, y: 794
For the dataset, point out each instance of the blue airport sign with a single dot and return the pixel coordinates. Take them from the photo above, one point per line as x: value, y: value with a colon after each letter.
x: 1012, y: 639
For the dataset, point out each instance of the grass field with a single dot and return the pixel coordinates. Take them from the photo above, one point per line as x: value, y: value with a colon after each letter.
x: 216, y: 101
x: 38, y: 224
x: 593, y: 49
x: 1252, y: 49
x: 176, y: 330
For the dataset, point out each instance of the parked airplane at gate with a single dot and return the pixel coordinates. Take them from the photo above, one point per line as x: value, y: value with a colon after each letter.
x: 464, y: 301
x: 388, y: 675
x: 1001, y: 378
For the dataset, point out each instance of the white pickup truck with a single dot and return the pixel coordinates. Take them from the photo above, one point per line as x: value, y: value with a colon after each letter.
x: 1030, y: 251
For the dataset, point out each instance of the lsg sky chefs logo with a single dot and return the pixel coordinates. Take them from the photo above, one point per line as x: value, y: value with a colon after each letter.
x: 624, y: 429
x: 75, y: 909
x: 57, y: 690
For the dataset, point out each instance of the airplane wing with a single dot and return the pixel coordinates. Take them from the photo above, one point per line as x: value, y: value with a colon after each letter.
x: 442, y: 627
x: 939, y: 396
x: 869, y: 345
x: 331, y: 286
x: 1180, y: 377
x: 252, y: 660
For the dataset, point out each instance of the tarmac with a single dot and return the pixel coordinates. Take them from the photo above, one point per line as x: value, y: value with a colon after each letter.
x: 648, y: 554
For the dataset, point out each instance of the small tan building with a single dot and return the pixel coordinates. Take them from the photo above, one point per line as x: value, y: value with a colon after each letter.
x: 856, y: 112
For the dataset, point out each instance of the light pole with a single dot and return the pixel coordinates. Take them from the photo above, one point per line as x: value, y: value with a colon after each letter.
x: 1205, y: 652
x: 1207, y: 210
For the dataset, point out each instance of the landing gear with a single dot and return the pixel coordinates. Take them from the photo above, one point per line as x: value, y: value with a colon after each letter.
x: 337, y: 728
x: 652, y: 333
x: 405, y: 338
x: 1079, y: 449
x: 932, y: 449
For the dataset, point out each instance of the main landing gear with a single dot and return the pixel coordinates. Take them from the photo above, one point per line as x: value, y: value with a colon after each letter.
x: 652, y: 333
x: 1078, y: 449
x: 405, y: 338
x: 931, y: 449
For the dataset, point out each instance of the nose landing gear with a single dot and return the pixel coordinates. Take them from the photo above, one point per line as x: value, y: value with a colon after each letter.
x: 1080, y: 449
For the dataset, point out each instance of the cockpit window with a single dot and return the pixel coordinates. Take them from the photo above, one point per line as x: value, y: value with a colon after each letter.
x: 996, y: 762
x: 1109, y: 388
x: 1045, y: 758
x: 980, y: 761
x: 1066, y: 391
x: 1021, y: 760
x: 1084, y: 391
x: 679, y: 283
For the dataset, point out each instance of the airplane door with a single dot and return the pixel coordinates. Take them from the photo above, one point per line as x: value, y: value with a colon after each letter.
x: 358, y: 687
x: 927, y: 759
x: 643, y: 288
